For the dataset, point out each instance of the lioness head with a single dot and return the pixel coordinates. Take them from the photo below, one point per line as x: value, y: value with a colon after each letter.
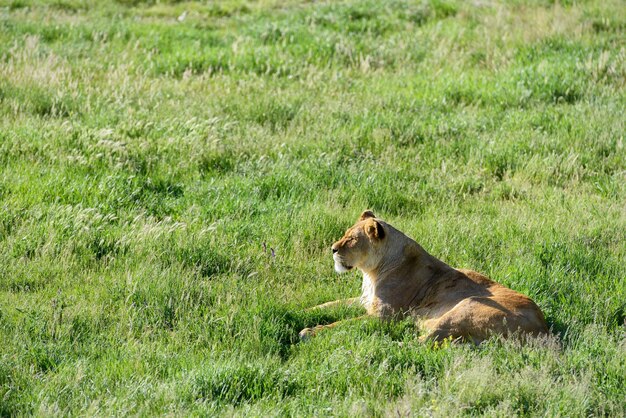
x: 361, y: 245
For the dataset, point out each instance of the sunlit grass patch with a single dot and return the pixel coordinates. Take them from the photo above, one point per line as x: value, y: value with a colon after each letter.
x: 172, y: 175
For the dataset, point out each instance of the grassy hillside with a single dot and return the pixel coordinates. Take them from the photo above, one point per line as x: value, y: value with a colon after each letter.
x: 172, y: 175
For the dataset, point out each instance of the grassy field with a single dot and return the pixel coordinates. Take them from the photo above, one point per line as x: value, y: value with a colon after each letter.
x: 172, y: 175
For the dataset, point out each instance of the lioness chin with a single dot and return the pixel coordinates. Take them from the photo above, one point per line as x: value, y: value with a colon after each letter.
x: 400, y: 278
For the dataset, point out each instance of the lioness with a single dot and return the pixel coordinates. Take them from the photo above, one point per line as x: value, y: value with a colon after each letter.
x: 400, y: 277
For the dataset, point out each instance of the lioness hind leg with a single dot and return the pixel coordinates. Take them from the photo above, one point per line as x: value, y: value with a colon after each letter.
x: 476, y: 318
x: 470, y: 320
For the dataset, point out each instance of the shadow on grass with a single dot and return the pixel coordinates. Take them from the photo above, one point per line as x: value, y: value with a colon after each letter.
x: 280, y: 325
x: 558, y: 328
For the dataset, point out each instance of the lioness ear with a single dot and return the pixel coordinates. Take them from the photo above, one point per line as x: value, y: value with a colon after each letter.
x: 374, y: 229
x: 367, y: 214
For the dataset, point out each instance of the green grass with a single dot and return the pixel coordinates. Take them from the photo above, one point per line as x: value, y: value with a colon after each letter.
x: 148, y: 164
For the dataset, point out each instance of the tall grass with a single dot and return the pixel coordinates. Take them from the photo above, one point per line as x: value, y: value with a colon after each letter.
x: 172, y: 175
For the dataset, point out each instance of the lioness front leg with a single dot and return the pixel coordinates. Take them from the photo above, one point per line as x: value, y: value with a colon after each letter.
x: 307, y: 333
x: 337, y: 303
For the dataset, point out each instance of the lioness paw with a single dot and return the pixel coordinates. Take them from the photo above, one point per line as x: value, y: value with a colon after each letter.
x: 306, y: 334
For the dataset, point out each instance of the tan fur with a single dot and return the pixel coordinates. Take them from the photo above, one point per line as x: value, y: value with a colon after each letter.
x: 401, y: 278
